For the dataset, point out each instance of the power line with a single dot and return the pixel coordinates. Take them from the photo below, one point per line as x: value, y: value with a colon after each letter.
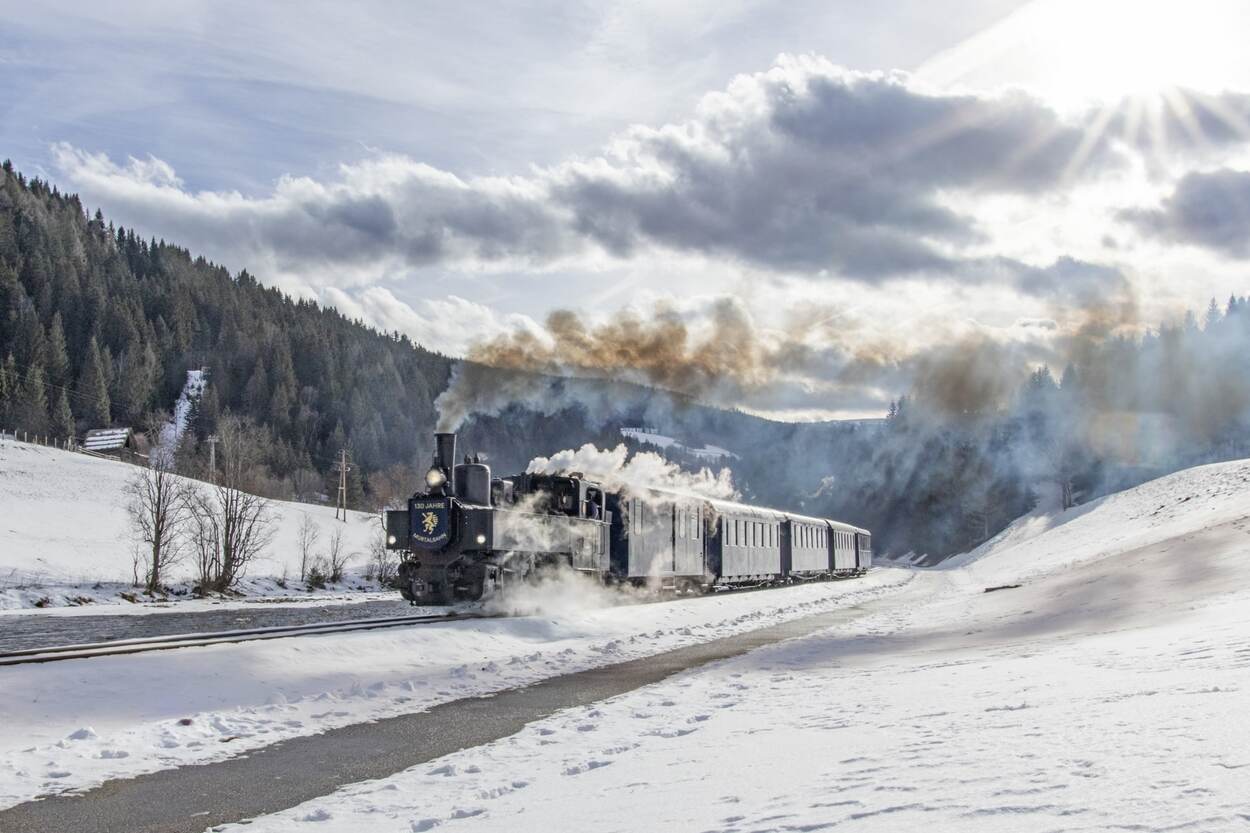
x: 98, y: 400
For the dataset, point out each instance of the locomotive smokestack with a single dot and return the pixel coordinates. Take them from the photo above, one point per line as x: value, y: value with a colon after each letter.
x: 445, y: 458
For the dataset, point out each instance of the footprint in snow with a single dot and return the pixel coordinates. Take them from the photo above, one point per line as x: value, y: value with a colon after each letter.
x: 320, y: 814
x: 422, y: 825
x: 586, y: 767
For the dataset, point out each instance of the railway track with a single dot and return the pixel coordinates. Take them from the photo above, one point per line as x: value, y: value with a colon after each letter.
x: 118, y: 647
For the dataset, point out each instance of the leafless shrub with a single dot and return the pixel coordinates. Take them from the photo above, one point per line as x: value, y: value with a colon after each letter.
x: 336, y: 556
x: 309, y: 534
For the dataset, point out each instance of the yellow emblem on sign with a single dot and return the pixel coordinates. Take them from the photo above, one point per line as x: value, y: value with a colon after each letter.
x: 429, y: 520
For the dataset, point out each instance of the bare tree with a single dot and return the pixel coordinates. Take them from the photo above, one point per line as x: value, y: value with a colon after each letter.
x: 383, y: 562
x: 230, y: 524
x: 336, y: 557
x: 157, y: 507
x: 391, y: 486
x: 309, y: 534
x: 306, y: 483
x: 204, y: 535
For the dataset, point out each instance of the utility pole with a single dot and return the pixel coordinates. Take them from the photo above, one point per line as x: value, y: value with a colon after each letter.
x: 212, y: 458
x: 341, y: 467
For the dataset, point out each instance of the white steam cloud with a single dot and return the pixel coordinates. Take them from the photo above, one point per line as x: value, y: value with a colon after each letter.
x: 618, y: 471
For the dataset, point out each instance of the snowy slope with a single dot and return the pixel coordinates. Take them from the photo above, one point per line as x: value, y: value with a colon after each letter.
x: 1174, y: 505
x: 1109, y: 691
x: 64, y: 529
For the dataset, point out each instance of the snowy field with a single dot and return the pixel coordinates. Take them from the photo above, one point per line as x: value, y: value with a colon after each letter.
x: 1111, y: 691
x: 64, y: 537
x: 72, y: 724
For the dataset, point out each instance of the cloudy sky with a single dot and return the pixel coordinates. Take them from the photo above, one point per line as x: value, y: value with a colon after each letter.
x: 848, y: 189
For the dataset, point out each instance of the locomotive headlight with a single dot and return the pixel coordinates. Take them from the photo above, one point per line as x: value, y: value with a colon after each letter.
x: 435, y: 477
x: 481, y: 539
x: 390, y: 539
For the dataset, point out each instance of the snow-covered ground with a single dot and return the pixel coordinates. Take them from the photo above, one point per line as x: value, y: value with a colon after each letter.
x: 1110, y: 691
x: 172, y: 431
x: 649, y: 436
x: 64, y: 535
x: 72, y: 724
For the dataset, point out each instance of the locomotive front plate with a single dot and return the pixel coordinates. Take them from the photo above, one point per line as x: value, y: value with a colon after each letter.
x: 430, y: 520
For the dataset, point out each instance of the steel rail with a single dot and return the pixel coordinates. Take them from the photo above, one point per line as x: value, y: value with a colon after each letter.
x: 140, y: 645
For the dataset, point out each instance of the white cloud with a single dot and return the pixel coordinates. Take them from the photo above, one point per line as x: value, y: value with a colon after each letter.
x: 450, y: 324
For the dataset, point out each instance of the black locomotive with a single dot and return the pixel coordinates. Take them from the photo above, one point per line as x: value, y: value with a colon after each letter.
x: 470, y: 533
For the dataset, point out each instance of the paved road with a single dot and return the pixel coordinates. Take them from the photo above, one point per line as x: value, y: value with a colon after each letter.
x: 192, y: 799
x: 39, y: 630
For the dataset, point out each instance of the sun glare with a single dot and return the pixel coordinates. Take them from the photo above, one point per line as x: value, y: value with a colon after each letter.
x: 1078, y: 53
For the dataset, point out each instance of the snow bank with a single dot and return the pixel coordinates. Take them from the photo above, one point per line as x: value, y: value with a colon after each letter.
x: 64, y: 531
x: 1171, y: 506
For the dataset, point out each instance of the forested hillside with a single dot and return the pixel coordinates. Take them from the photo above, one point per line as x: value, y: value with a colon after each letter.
x: 98, y: 327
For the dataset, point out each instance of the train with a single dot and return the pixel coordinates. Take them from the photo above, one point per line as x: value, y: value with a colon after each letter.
x: 469, y: 534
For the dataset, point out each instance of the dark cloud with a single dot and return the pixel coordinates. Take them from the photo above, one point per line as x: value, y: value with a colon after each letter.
x: 1073, y: 281
x: 1209, y: 209
x: 806, y: 167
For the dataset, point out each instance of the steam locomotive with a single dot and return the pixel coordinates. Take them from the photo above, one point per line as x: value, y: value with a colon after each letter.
x: 470, y: 533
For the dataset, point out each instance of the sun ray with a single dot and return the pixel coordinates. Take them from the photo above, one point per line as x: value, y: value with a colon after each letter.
x: 1134, y: 115
x: 1092, y: 135
x: 1157, y: 127
x: 1234, y: 120
x: 1177, y: 101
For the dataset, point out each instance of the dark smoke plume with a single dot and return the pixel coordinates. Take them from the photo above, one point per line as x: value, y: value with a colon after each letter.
x: 723, y: 359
